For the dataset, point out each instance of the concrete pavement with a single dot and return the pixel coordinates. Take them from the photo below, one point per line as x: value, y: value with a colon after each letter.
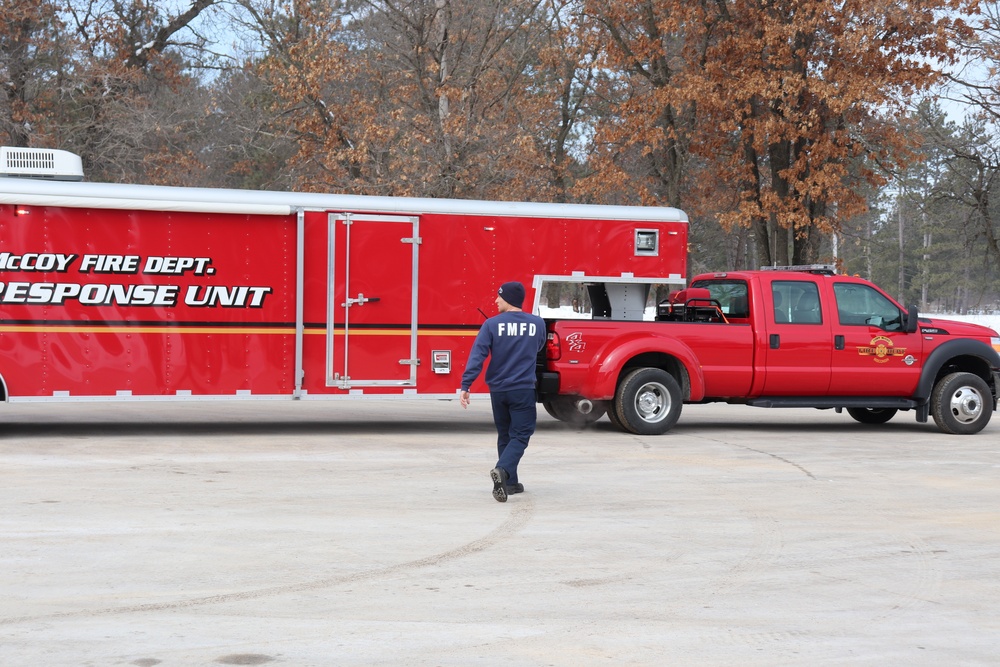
x: 364, y: 533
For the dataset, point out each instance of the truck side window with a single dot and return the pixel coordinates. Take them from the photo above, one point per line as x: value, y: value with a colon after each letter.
x: 731, y: 295
x: 796, y: 302
x: 860, y: 305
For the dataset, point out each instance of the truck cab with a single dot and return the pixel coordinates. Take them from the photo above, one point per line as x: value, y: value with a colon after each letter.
x: 820, y: 333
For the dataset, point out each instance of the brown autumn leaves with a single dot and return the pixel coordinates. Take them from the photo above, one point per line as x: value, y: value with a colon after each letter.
x: 770, y: 117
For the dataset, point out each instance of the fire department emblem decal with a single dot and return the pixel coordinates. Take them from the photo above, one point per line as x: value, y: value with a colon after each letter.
x: 882, y: 349
x: 575, y: 342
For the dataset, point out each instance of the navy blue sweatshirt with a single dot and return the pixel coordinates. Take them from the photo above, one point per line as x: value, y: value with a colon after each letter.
x: 512, y: 341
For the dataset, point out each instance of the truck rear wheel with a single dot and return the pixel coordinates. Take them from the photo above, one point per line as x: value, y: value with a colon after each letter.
x: 648, y: 401
x: 872, y: 415
x: 564, y: 409
x: 961, y: 403
x: 613, y: 417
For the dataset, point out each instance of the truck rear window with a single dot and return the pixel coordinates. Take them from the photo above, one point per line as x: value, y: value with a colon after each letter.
x: 731, y: 296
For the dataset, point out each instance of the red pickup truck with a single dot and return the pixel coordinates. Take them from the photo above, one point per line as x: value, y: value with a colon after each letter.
x: 797, y: 337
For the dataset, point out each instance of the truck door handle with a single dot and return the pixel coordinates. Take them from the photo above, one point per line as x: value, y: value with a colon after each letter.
x: 775, y: 341
x: 838, y: 342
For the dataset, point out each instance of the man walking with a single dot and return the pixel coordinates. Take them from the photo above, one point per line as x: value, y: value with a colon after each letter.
x: 512, y: 340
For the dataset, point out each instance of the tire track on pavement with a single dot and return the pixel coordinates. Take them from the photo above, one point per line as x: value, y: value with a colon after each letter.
x: 520, y: 515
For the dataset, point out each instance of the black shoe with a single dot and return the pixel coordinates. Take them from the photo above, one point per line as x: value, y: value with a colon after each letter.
x: 500, y: 477
x: 516, y: 487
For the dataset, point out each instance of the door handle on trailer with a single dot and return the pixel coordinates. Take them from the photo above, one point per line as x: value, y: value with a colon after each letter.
x: 361, y: 300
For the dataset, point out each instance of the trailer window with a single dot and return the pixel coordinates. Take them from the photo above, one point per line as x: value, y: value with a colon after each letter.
x: 647, y: 242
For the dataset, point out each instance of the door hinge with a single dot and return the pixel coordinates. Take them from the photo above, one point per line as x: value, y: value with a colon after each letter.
x: 409, y: 362
x: 412, y: 239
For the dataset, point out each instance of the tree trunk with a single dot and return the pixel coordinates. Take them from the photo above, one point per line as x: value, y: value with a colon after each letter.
x: 807, y: 242
x: 901, y: 293
x: 552, y: 294
x: 780, y: 157
x: 758, y: 223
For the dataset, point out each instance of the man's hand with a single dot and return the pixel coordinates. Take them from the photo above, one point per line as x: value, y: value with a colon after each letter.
x: 464, y: 398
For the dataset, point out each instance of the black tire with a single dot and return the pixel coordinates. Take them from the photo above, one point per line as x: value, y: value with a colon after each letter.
x: 648, y: 401
x: 961, y: 404
x: 614, y: 418
x: 872, y: 415
x: 564, y: 409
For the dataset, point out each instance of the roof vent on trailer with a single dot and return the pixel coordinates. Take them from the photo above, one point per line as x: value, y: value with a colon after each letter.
x: 42, y: 163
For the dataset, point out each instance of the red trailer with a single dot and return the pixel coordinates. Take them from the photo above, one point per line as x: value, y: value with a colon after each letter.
x: 143, y: 292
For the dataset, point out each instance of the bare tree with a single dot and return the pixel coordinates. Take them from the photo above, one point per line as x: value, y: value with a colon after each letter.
x: 456, y: 98
x: 34, y: 68
x: 135, y: 105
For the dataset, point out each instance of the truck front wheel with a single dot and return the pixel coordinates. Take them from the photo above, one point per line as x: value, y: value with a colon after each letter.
x: 648, y: 401
x: 961, y: 403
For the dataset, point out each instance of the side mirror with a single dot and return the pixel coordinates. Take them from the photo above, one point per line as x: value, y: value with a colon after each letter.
x: 911, y: 325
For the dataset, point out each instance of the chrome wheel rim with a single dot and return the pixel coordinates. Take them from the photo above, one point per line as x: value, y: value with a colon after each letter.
x: 652, y: 402
x: 966, y: 405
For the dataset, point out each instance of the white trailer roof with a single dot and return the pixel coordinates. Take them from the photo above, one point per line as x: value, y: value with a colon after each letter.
x: 210, y: 200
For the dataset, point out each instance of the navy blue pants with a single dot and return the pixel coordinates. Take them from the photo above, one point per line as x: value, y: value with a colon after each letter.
x: 514, y: 415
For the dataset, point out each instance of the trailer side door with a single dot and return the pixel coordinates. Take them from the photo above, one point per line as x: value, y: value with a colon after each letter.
x: 372, y: 301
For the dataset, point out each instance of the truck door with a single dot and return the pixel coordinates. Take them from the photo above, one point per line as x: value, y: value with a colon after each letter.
x: 372, y: 303
x: 872, y: 353
x: 799, y: 342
